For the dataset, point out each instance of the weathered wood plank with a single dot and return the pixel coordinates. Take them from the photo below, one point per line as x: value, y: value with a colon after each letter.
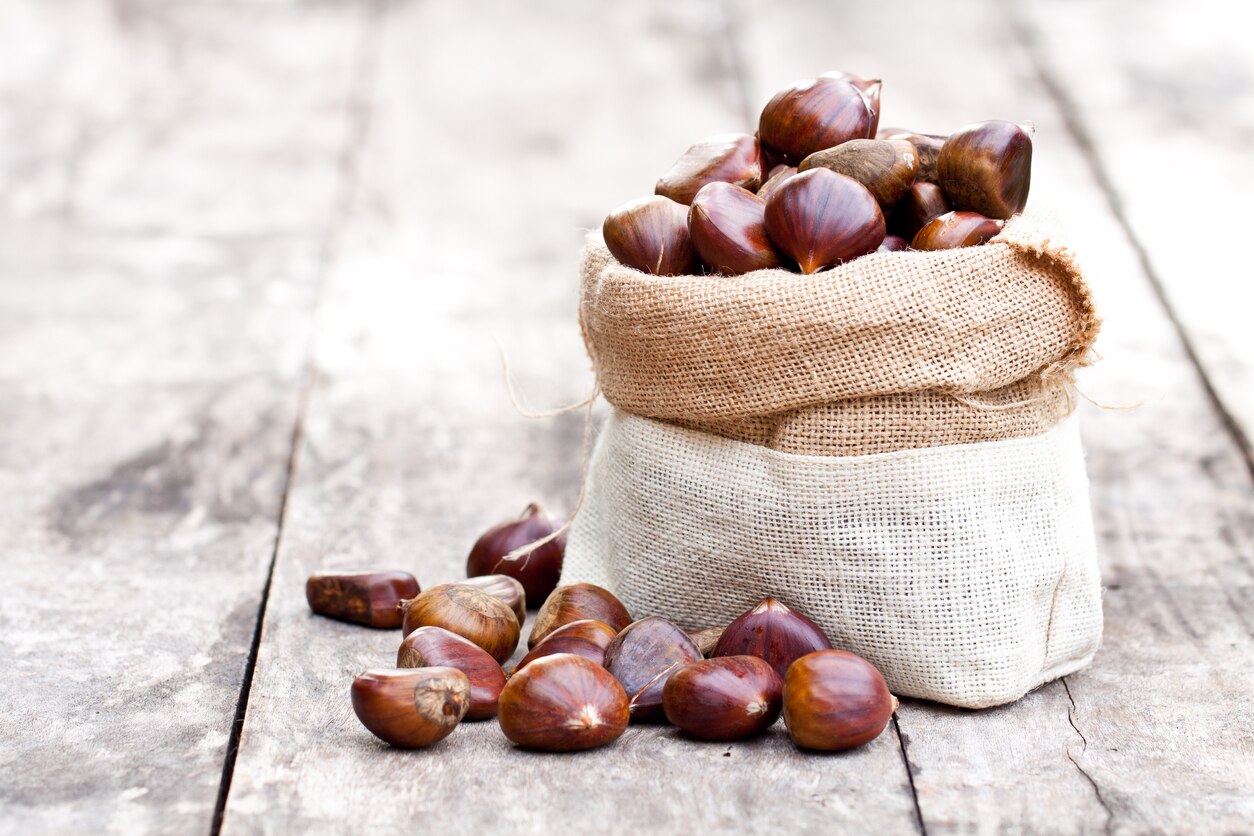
x: 1132, y: 744
x: 1164, y: 99
x: 156, y: 296
x: 468, y: 225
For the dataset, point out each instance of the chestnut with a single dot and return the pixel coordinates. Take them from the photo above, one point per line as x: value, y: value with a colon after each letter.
x: 429, y: 647
x: 368, y: 598
x: 814, y: 114
x: 411, y: 708
x: 586, y: 638
x: 956, y: 229
x: 887, y: 167
x: 773, y: 632
x: 727, y: 230
x: 892, y: 244
x: 835, y: 700
x: 642, y: 657
x: 469, y: 612
x: 987, y: 168
x: 777, y: 176
x: 725, y: 698
x: 651, y: 234
x: 577, y: 602
x: 927, y: 146
x: 706, y: 640
x: 563, y: 703
x: 504, y: 587
x: 921, y: 203
x: 537, y: 570
x: 870, y: 88
x: 725, y: 158
x: 822, y: 218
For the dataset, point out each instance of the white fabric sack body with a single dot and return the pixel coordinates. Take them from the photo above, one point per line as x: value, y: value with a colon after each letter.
x: 967, y: 573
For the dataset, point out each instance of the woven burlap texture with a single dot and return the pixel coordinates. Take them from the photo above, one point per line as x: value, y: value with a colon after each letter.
x: 966, y: 573
x: 890, y: 351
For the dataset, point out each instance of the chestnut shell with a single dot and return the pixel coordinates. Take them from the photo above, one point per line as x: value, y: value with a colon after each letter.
x: 835, y: 700
x: 538, y: 571
x: 563, y: 703
x: 822, y: 218
x: 774, y: 632
x: 643, y: 656
x: 728, y: 232
x: 436, y: 647
x: 368, y: 598
x: 411, y: 708
x: 814, y: 114
x: 586, y: 638
x: 725, y: 698
x: 576, y: 602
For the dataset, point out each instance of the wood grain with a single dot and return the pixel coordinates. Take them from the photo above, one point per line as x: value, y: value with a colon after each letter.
x: 155, y: 303
x: 412, y: 449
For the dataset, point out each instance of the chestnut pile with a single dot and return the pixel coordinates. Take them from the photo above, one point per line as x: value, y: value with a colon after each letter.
x: 820, y: 184
x: 590, y: 669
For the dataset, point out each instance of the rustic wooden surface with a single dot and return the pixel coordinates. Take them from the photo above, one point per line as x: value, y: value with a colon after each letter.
x: 253, y: 259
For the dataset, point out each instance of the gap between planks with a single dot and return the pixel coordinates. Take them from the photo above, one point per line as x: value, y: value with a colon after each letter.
x: 359, y: 106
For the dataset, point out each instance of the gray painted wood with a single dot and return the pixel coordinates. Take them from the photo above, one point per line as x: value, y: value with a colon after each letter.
x: 412, y: 448
x: 1156, y: 734
x: 157, y: 280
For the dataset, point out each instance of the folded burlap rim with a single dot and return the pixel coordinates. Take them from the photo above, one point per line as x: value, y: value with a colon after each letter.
x: 890, y: 351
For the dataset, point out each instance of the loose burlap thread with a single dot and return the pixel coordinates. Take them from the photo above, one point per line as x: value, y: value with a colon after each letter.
x: 884, y: 445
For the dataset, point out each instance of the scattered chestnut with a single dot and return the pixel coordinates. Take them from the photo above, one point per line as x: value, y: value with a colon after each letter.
x: 893, y: 244
x: 563, y: 703
x: 435, y: 647
x: 773, y: 632
x: 987, y: 168
x: 651, y: 234
x: 870, y: 88
x: 927, y: 146
x: 725, y: 223
x: 725, y: 698
x: 835, y: 700
x: 469, y: 612
x: 586, y: 638
x: 956, y: 229
x: 504, y: 587
x: 923, y: 202
x: 411, y: 708
x: 822, y: 218
x: 643, y: 656
x: 706, y: 640
x: 887, y: 167
x: 368, y: 598
x: 814, y: 114
x: 576, y: 602
x: 778, y: 175
x: 725, y: 158
x: 537, y: 570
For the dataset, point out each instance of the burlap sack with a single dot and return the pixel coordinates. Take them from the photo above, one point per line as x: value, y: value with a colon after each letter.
x: 881, y: 445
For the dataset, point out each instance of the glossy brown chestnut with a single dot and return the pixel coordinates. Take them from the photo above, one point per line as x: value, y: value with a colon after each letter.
x: 821, y: 218
x: 642, y: 657
x: 577, y: 602
x: 563, y: 703
x: 506, y: 588
x: 835, y: 700
x: 870, y: 88
x: 651, y: 234
x: 469, y: 612
x: 727, y: 230
x: 411, y: 708
x: 724, y: 158
x: 893, y: 244
x: 814, y: 114
x: 923, y: 202
x: 707, y: 639
x: 368, y: 598
x: 773, y: 632
x: 987, y: 168
x: 887, y: 167
x: 956, y: 229
x: 586, y: 638
x: 538, y: 570
x: 725, y: 698
x: 435, y: 647
x: 927, y: 146
x: 778, y: 175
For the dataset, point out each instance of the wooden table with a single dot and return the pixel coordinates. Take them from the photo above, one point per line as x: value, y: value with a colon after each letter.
x: 254, y: 256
